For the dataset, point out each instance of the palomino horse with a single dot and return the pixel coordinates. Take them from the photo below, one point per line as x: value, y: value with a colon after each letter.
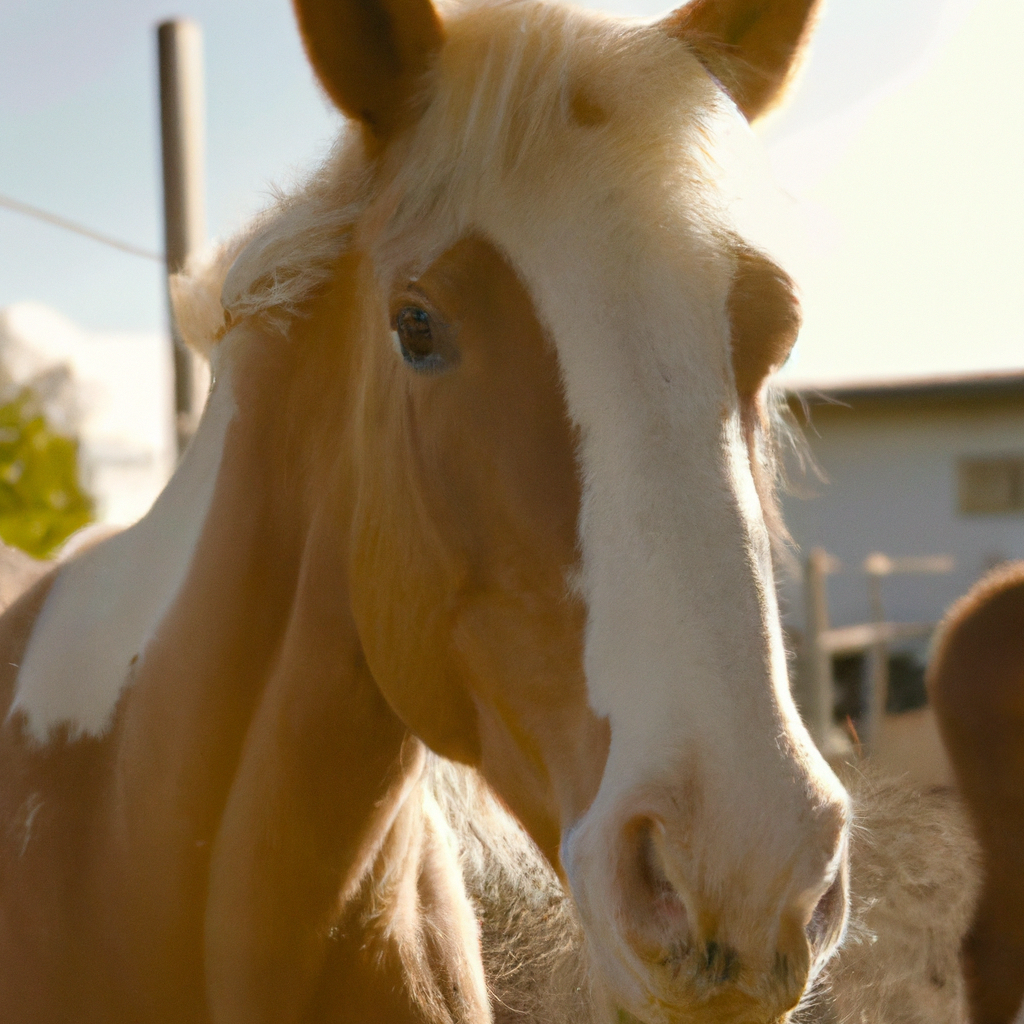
x: 482, y: 471
x: 976, y: 683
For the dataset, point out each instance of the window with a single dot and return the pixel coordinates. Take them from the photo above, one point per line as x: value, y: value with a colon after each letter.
x: 991, y: 485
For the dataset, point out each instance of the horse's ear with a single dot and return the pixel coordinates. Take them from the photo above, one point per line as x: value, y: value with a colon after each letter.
x: 751, y: 46
x: 764, y: 315
x: 370, y: 54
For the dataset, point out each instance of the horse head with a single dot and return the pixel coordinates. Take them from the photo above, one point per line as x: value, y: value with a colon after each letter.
x: 558, y: 550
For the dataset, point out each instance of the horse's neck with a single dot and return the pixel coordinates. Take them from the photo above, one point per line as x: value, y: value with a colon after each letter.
x: 211, y: 644
x: 250, y: 717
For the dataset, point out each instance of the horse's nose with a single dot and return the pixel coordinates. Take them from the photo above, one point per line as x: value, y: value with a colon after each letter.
x: 712, y: 939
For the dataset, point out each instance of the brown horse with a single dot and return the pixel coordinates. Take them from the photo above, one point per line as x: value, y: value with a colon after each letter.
x: 976, y: 682
x: 484, y: 471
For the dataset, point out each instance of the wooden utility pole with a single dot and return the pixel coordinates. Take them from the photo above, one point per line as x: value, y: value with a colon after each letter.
x: 182, y: 131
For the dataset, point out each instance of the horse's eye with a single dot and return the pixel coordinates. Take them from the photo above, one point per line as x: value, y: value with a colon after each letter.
x: 421, y: 340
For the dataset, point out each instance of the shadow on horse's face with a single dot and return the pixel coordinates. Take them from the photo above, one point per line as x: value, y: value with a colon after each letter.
x: 465, y: 538
x: 560, y: 568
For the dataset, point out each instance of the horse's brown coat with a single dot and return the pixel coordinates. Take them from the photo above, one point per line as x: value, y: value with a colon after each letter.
x: 501, y: 478
x: 976, y: 682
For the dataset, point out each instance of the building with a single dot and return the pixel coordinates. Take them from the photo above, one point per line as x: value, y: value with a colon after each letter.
x: 911, y: 361
x: 929, y: 472
x: 912, y: 467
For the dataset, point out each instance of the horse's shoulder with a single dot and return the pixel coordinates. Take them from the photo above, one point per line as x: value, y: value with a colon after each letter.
x: 996, y: 597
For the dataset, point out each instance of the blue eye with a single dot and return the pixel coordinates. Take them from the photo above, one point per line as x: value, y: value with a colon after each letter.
x: 422, y: 340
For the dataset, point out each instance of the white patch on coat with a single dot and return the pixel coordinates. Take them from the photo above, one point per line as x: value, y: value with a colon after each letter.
x: 106, y: 604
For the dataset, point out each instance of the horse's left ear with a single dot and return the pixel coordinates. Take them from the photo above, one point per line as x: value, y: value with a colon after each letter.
x: 370, y: 54
x: 764, y: 316
x: 751, y: 46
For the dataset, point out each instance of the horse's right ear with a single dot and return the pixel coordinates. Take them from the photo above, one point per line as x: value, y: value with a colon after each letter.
x: 370, y: 54
x: 751, y: 46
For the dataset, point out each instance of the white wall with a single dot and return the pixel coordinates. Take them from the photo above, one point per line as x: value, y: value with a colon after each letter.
x: 892, y: 487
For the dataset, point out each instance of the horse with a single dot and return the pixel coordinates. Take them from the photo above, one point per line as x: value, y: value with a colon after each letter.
x: 484, y: 475
x: 976, y: 683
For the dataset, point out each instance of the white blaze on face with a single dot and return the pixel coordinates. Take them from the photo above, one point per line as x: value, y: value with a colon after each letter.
x: 683, y: 642
x: 107, y: 602
x: 683, y: 637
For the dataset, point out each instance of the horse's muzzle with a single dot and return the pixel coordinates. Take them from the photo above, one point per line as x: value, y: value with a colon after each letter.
x: 678, y: 936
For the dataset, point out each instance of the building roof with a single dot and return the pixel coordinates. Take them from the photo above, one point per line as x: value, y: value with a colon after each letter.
x: 996, y: 386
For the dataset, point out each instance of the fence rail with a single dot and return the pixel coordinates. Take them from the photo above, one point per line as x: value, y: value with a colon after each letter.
x: 854, y: 639
x: 822, y: 641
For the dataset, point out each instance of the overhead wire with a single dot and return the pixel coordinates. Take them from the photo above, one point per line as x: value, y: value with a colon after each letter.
x: 79, y: 229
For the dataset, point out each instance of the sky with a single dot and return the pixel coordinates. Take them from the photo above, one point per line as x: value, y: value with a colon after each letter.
x: 879, y: 175
x: 918, y: 212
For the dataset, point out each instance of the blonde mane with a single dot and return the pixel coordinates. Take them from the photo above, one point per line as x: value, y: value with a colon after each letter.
x: 273, y: 265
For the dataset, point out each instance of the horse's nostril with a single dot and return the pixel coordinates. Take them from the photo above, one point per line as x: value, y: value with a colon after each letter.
x: 651, y: 870
x: 661, y: 893
x: 652, y: 900
x: 825, y: 927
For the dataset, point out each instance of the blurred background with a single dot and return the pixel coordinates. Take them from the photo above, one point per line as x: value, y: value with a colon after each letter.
x: 902, y: 152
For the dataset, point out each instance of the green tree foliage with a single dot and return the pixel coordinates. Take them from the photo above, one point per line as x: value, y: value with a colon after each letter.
x: 41, y: 499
